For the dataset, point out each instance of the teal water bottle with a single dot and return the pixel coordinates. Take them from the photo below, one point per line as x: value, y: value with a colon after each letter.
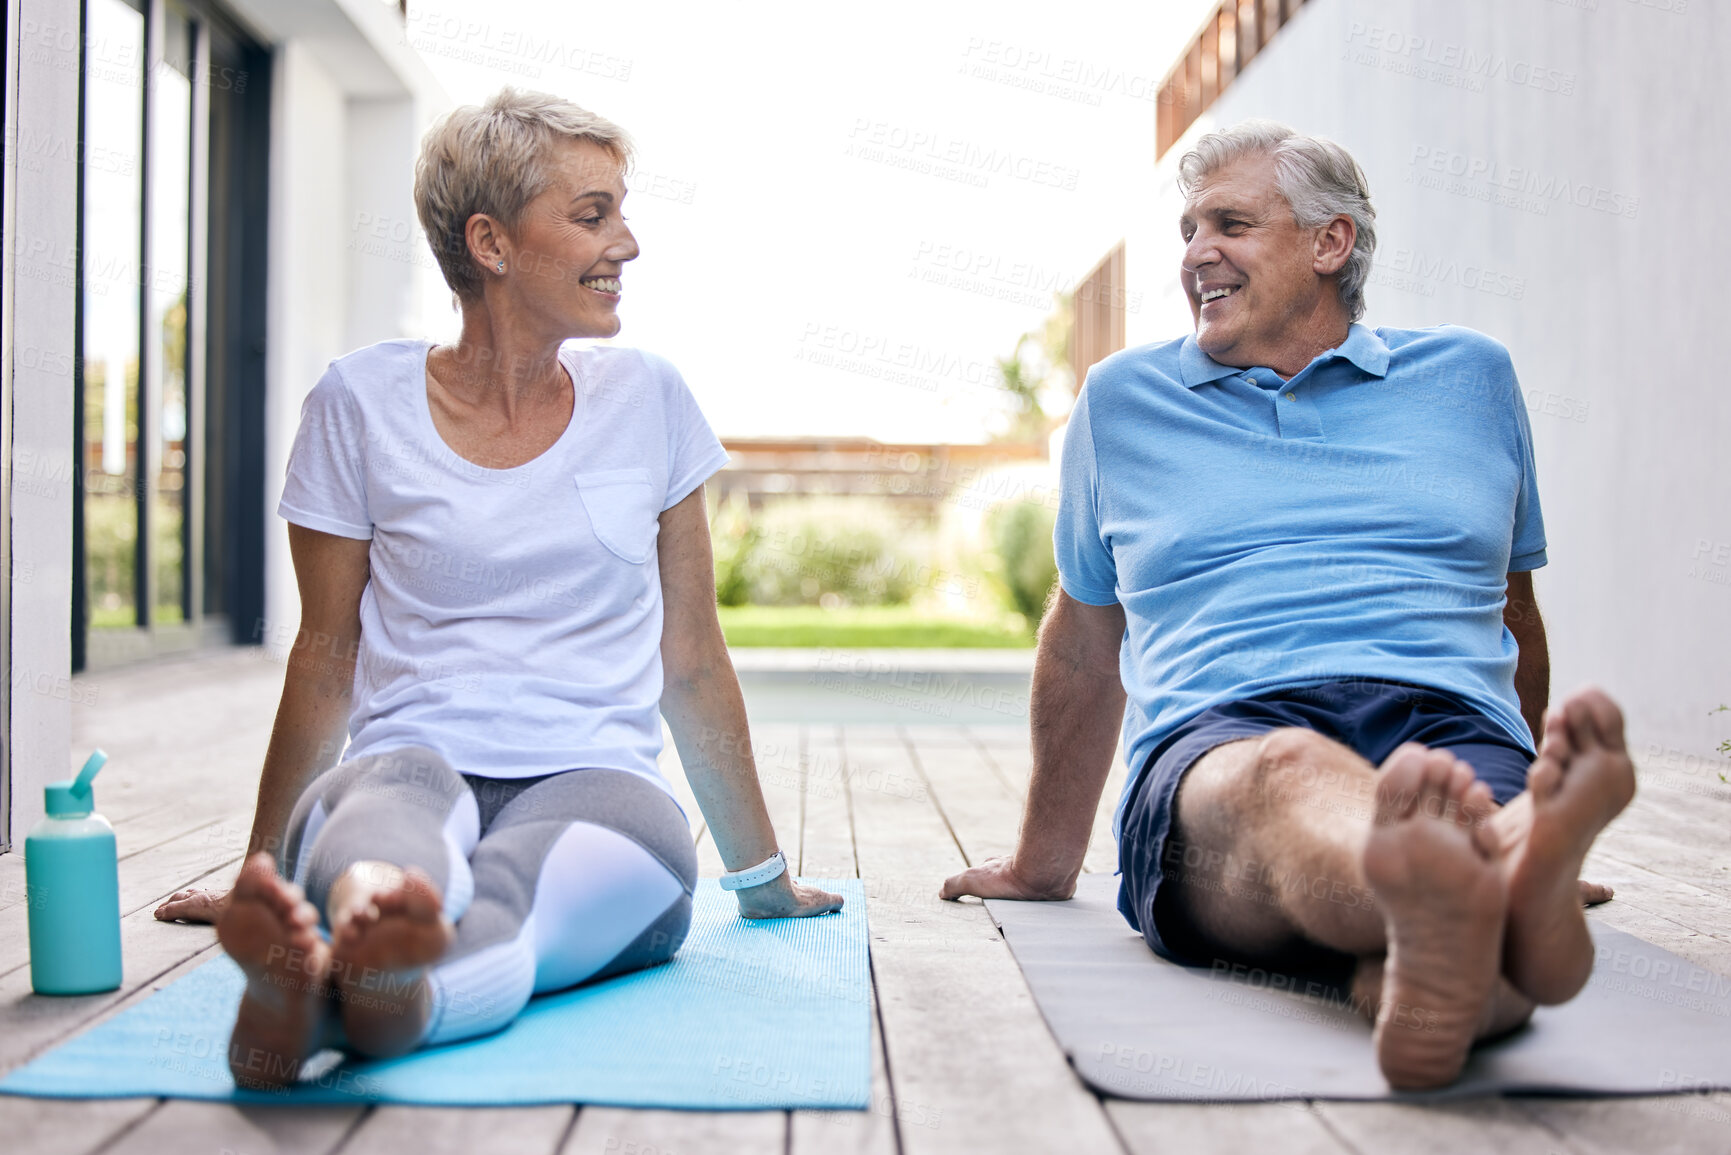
x: 72, y: 887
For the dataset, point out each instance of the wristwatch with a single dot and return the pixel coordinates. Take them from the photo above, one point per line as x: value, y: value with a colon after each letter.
x: 769, y: 868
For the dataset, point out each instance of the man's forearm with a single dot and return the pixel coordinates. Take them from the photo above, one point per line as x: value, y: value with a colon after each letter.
x: 1533, y: 678
x: 1076, y: 707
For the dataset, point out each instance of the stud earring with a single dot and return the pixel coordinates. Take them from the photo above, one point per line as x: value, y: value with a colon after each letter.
x: 501, y: 266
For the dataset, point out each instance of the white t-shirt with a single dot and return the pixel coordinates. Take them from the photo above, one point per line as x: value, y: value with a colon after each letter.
x: 512, y: 620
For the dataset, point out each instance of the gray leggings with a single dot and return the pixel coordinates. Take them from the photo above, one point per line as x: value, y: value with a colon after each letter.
x: 551, y: 881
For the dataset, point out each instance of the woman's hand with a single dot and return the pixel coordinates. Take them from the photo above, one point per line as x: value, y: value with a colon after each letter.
x: 193, y: 905
x: 782, y: 897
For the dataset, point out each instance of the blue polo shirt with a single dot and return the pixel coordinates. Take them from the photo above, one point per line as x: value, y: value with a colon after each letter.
x: 1357, y: 521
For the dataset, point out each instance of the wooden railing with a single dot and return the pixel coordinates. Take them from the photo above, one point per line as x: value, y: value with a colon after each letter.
x: 1236, y: 32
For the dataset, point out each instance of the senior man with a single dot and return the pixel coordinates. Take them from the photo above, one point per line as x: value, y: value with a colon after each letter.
x: 1302, y: 548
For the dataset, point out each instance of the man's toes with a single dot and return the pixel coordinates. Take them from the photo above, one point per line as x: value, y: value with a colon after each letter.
x: 1479, y: 802
x: 1607, y: 719
x: 1555, y: 740
x: 1459, y: 783
x: 1399, y: 784
x: 1583, y: 730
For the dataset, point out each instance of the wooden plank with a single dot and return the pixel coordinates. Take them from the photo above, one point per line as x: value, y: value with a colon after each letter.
x: 978, y: 806
x: 461, y: 1130
x: 963, y: 1038
x: 191, y: 1126
x: 1157, y: 1128
x: 827, y: 844
x: 145, y: 879
x: 1489, y: 1126
x: 826, y: 837
x: 67, y: 1126
x: 1665, y: 1125
x: 152, y: 952
x: 1016, y: 763
x: 868, y: 1132
x: 781, y: 777
x: 1700, y: 949
x: 1691, y: 850
x: 616, y: 1131
x: 210, y: 751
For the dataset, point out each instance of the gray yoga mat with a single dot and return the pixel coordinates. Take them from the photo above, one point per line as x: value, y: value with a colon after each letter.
x: 1138, y: 1027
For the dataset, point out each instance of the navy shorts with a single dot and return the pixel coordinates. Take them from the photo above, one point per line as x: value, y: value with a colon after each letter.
x: 1372, y: 717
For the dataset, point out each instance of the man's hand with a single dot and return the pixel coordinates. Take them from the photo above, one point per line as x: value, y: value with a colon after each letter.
x: 193, y: 905
x: 782, y: 897
x: 998, y: 878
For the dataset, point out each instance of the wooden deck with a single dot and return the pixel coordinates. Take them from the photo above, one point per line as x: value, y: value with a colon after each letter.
x: 962, y: 1061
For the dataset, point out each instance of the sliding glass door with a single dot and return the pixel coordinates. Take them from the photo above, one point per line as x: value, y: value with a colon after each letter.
x: 175, y: 124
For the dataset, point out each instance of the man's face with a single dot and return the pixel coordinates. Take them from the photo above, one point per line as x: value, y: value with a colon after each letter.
x: 1249, y: 272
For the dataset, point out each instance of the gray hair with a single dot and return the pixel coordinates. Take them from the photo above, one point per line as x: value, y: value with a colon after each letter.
x: 1318, y: 178
x: 495, y: 158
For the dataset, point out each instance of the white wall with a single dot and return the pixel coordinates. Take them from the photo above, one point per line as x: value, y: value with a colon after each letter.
x: 306, y: 323
x: 381, y: 235
x: 1610, y: 306
x: 41, y: 188
x: 347, y: 267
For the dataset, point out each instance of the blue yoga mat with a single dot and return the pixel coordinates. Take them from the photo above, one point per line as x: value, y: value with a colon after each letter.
x: 748, y: 1016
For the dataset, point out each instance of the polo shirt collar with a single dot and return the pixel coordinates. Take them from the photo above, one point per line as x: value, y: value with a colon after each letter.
x: 1362, y: 347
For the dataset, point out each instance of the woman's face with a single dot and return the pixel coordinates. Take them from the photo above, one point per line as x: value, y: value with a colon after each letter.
x: 571, y: 244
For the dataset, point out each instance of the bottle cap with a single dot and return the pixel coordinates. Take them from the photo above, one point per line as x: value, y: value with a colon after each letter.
x: 63, y: 801
x: 74, y: 797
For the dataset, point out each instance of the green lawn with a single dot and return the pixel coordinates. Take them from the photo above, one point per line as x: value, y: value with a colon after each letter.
x: 867, y: 627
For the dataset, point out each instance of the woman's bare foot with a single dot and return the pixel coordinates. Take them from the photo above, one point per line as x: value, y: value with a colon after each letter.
x: 1434, y: 864
x: 271, y: 930
x: 387, y: 926
x: 1581, y: 780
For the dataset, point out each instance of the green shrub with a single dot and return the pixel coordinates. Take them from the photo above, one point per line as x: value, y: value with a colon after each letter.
x: 1021, y: 536
x: 831, y: 551
x: 732, y: 536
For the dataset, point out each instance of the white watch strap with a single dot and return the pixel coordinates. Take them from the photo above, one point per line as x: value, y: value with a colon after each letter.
x: 771, y: 867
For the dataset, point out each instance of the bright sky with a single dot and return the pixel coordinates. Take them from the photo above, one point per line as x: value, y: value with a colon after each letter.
x: 845, y: 213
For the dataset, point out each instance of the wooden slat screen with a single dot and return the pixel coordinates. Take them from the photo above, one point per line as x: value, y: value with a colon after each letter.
x: 1098, y: 312
x: 1235, y: 32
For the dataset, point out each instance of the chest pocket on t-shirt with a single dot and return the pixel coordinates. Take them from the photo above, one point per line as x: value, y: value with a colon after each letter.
x: 621, y: 507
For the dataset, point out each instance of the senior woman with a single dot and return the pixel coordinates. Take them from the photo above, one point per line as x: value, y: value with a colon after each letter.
x: 505, y: 572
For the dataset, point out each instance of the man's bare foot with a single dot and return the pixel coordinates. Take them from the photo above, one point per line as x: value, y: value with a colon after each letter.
x: 271, y: 930
x: 1506, y: 1010
x: 387, y: 926
x: 1581, y: 780
x: 1434, y: 865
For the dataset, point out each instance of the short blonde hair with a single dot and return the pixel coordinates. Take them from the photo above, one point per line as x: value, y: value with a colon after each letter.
x: 495, y: 158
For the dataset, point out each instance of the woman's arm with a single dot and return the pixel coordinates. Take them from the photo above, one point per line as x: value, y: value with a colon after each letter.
x: 704, y: 708
x: 311, y: 718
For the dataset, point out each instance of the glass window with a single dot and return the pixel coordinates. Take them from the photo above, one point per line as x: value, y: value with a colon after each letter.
x: 113, y: 241
x: 167, y: 285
